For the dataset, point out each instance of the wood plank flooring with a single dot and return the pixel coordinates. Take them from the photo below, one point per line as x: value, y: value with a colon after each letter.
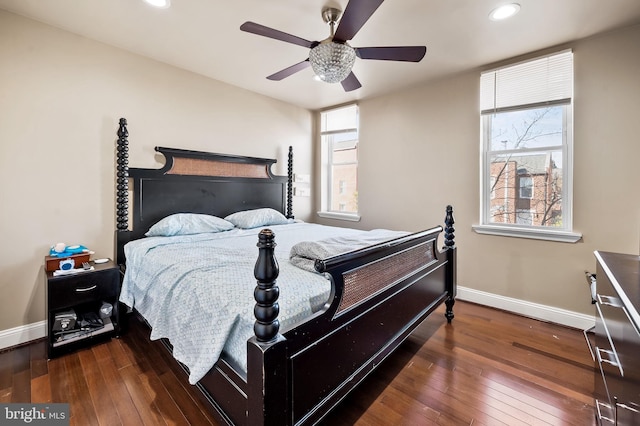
x: 488, y: 367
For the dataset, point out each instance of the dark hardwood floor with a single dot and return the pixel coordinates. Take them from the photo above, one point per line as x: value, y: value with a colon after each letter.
x: 487, y: 368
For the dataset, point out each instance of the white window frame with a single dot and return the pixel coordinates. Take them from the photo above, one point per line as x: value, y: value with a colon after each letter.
x: 513, y: 102
x: 326, y: 178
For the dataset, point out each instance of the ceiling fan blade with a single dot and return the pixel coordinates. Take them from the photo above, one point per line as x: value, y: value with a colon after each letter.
x: 350, y: 83
x: 354, y: 17
x: 290, y: 70
x: 394, y: 53
x: 252, y: 27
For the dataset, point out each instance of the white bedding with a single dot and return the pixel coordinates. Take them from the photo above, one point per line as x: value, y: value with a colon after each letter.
x: 197, y: 290
x: 305, y: 253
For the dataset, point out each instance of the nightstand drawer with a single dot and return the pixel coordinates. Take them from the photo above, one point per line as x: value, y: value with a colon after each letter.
x: 84, y: 287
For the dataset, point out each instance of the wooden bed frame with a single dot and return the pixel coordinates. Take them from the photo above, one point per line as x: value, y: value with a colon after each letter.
x: 379, y: 295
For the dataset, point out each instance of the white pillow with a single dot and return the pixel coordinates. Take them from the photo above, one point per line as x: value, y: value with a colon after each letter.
x: 248, y: 219
x: 187, y: 224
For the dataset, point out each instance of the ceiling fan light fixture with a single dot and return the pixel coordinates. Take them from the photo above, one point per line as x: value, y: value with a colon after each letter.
x: 505, y: 11
x: 332, y: 62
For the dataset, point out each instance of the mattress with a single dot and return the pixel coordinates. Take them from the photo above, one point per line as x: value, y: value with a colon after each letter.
x: 197, y: 290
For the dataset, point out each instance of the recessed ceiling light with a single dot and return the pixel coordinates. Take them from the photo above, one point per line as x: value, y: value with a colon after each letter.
x: 161, y: 4
x: 505, y: 11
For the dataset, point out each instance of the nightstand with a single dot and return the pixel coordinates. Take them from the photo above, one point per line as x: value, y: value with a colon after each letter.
x: 74, y: 300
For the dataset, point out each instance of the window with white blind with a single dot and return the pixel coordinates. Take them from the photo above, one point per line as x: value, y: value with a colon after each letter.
x: 526, y: 178
x: 339, y: 163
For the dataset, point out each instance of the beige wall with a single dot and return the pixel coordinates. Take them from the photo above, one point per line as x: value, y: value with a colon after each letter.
x: 60, y: 100
x: 419, y: 151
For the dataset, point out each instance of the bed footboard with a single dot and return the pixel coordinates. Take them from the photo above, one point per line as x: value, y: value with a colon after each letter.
x: 380, y: 294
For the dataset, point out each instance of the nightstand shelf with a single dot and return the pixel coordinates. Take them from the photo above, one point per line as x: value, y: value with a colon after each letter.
x: 80, y: 335
x: 82, y: 294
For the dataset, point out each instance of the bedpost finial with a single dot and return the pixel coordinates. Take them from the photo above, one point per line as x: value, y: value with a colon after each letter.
x: 122, y: 130
x: 266, y: 293
x: 449, y: 230
x: 266, y: 239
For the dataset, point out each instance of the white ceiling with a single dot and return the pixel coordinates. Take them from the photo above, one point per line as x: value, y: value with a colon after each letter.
x: 203, y: 36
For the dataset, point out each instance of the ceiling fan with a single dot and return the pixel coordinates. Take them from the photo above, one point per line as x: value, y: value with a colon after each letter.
x: 332, y: 59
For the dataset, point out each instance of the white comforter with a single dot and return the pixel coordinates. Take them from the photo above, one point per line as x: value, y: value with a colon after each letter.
x: 197, y: 290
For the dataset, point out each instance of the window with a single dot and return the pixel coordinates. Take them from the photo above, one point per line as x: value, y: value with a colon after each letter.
x: 343, y: 187
x: 526, y: 187
x: 339, y: 159
x: 526, y: 119
x: 524, y: 217
x: 492, y: 183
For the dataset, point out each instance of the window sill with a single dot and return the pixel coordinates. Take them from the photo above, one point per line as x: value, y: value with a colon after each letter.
x: 352, y: 217
x: 536, y: 234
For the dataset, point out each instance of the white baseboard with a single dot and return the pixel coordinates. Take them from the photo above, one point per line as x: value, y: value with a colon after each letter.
x: 23, y: 334
x: 528, y: 309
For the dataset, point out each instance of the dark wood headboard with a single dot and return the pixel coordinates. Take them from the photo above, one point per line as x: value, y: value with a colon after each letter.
x: 193, y: 182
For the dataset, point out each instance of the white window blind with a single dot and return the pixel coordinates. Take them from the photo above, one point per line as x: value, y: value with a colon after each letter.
x: 544, y: 81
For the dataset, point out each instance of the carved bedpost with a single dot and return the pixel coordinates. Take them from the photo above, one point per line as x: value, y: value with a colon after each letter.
x: 122, y: 234
x: 290, y: 184
x: 450, y: 247
x: 122, y: 178
x: 266, y: 292
x: 268, y: 393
